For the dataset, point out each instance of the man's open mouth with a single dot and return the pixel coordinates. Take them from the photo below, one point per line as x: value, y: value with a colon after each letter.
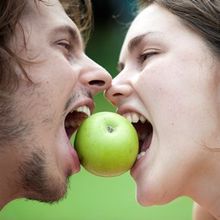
x: 75, y: 118
x: 144, y: 130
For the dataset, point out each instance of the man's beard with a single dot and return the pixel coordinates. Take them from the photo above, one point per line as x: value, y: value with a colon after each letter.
x: 38, y: 183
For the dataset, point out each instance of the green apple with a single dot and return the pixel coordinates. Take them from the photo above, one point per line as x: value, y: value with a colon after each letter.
x: 107, y: 144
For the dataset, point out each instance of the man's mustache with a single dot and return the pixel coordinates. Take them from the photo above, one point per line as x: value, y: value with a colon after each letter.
x: 78, y: 95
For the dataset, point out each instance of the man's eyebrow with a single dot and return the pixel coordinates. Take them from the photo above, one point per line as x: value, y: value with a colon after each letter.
x: 69, y: 30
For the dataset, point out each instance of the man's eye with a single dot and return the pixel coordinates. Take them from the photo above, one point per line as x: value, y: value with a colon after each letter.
x: 65, y: 44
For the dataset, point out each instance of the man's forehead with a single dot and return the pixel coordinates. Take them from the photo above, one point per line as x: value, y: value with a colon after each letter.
x: 44, y: 8
x: 49, y: 17
x: 50, y: 14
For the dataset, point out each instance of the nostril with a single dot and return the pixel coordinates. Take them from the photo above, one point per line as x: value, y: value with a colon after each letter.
x: 97, y: 83
x: 117, y: 94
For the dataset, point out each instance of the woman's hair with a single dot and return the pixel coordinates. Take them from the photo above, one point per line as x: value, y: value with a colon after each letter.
x: 80, y: 11
x: 203, y: 16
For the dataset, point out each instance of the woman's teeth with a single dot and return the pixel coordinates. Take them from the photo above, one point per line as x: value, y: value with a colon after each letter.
x: 134, y: 117
x: 141, y: 154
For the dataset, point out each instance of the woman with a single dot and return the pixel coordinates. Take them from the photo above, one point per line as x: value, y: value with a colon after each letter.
x: 169, y: 87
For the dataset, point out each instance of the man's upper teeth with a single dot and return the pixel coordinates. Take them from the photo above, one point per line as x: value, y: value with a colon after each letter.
x: 134, y: 117
x: 84, y: 109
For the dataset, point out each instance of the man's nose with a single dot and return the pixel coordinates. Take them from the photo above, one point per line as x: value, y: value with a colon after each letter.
x: 118, y: 91
x: 96, y: 78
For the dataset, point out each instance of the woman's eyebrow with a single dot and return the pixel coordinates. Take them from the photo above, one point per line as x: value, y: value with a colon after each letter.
x: 134, y: 42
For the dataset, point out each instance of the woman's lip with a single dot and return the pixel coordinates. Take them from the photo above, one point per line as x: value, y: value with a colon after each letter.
x: 125, y: 109
x: 147, y: 142
x: 137, y: 164
x: 144, y: 153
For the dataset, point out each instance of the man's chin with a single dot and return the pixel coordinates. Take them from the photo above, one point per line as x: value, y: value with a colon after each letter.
x: 39, y: 184
x: 48, y: 196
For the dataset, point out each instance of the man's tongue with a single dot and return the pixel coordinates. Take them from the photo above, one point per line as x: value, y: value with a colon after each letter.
x: 73, y: 121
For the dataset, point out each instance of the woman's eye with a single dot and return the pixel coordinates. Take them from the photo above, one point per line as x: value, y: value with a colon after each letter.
x: 145, y: 56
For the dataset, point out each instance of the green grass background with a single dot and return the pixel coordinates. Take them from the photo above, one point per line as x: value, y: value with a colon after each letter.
x: 97, y: 198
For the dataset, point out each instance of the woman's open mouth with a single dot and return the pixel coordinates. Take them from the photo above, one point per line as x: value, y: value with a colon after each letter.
x: 144, y: 130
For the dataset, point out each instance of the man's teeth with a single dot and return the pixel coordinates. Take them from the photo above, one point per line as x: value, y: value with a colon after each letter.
x: 134, y: 117
x: 84, y: 109
x: 73, y: 123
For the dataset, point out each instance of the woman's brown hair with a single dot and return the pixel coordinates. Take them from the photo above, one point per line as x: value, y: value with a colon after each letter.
x: 203, y: 16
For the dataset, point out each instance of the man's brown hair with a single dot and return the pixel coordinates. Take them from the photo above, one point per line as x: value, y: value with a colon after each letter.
x: 10, y: 12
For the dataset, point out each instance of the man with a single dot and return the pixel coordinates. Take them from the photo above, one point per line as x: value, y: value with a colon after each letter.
x: 46, y: 88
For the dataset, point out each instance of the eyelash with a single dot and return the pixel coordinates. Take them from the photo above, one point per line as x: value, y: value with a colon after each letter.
x: 65, y: 44
x: 143, y: 57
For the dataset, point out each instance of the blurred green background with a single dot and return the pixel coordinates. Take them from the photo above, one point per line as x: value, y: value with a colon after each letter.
x: 97, y: 198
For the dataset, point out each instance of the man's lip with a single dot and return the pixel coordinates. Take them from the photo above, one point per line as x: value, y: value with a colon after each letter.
x: 81, y: 102
x: 88, y: 102
x: 76, y: 162
x: 85, y: 102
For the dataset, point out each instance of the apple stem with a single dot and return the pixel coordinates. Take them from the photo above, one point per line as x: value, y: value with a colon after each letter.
x: 110, y: 129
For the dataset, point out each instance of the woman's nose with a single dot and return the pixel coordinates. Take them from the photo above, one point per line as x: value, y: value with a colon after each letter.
x: 96, y: 78
x: 118, y: 91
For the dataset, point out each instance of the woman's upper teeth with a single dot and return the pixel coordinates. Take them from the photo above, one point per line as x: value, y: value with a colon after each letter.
x: 84, y: 109
x: 134, y: 117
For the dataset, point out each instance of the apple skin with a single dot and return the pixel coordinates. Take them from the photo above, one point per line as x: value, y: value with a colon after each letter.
x: 107, y: 144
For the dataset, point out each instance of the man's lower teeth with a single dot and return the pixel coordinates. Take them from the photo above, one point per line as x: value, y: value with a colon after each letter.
x: 141, y: 154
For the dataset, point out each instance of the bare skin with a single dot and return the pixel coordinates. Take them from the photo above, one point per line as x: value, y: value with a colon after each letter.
x: 200, y: 213
x: 39, y: 158
x: 171, y: 78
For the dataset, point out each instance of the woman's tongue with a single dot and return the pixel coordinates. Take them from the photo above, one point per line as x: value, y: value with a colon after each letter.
x: 144, y: 134
x: 146, y: 143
